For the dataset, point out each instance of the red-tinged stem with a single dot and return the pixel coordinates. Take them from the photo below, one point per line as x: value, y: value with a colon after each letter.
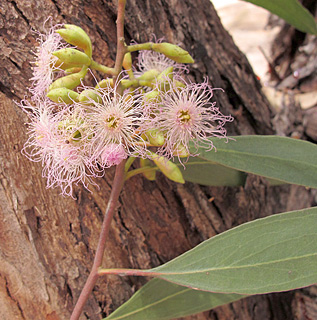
x: 93, y: 276
x: 128, y: 272
x: 117, y: 182
x: 121, y: 47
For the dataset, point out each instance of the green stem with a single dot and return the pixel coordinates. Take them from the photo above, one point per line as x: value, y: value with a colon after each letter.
x: 129, y: 163
x: 134, y: 172
x: 140, y: 46
x: 97, y: 66
x: 136, y: 83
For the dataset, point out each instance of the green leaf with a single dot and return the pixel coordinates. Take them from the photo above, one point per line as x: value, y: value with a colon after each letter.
x: 159, y: 300
x: 291, y: 11
x: 272, y: 254
x: 279, y: 158
x: 199, y: 170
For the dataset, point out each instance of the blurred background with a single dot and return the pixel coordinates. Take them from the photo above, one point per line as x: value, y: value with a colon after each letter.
x: 283, y: 58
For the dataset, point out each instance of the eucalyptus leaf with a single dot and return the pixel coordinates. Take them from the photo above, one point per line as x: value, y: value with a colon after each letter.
x: 276, y: 253
x: 199, y: 170
x: 291, y: 11
x: 159, y: 300
x: 279, y: 158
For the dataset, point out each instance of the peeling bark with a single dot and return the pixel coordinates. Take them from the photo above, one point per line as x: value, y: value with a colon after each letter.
x: 47, y: 241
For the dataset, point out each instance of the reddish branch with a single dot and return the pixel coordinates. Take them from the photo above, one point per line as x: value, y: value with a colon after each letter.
x: 117, y: 182
x: 93, y: 276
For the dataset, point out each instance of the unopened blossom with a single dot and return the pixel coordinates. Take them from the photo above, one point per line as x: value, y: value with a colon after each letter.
x: 188, y: 114
x: 151, y: 60
x: 112, y: 155
x: 116, y: 120
x: 45, y: 63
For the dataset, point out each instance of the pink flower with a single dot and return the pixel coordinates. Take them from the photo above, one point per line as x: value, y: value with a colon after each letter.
x: 45, y: 63
x: 59, y: 140
x: 115, y: 121
x: 67, y: 166
x: 112, y: 155
x: 188, y: 114
x: 42, y: 129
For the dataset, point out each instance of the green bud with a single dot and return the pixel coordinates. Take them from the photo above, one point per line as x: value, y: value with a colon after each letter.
x: 162, y: 82
x: 87, y: 95
x: 105, y: 83
x: 128, y: 83
x: 127, y: 64
x: 70, y: 82
x: 152, y: 95
x: 127, y: 61
x: 72, y: 56
x: 77, y: 37
x: 75, y: 134
x: 168, y: 168
x: 135, y: 83
x: 72, y: 70
x: 181, y: 152
x: 144, y: 83
x: 65, y: 66
x: 149, y: 75
x: 150, y: 175
x: 178, y: 84
x: 155, y: 137
x: 173, y: 52
x: 63, y: 95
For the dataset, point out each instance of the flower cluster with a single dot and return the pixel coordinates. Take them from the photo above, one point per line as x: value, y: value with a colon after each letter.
x: 77, y: 131
x: 46, y: 66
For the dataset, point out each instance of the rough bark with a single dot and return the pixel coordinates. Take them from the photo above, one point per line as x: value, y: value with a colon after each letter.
x: 47, y: 241
x: 294, y: 56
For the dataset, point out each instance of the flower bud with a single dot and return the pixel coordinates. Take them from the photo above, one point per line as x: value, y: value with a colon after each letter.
x: 87, y: 95
x: 150, y: 175
x: 70, y: 82
x: 178, y: 84
x: 77, y: 37
x: 72, y: 56
x: 149, y: 75
x: 181, y: 152
x: 155, y: 137
x: 105, y: 83
x: 162, y: 80
x: 168, y: 168
x: 127, y: 61
x: 65, y: 66
x: 127, y: 64
x: 128, y: 83
x: 173, y: 52
x: 62, y: 95
x: 152, y: 95
x: 72, y: 70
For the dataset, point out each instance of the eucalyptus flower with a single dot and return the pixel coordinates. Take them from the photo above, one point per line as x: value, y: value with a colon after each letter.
x: 116, y: 122
x: 187, y: 114
x: 45, y: 64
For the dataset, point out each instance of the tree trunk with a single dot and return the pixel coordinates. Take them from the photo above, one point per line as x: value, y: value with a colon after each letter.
x: 47, y: 241
x: 294, y: 56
